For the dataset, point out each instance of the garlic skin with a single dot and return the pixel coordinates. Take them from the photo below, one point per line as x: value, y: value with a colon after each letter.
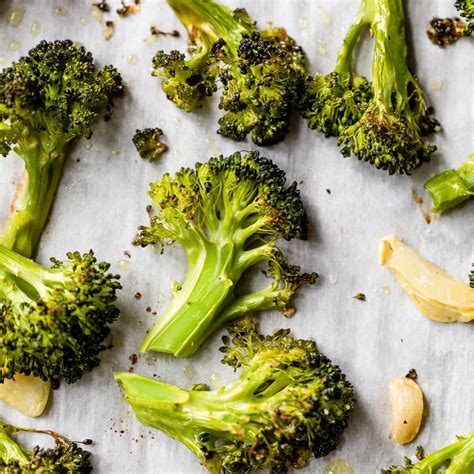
x: 406, y: 399
x: 436, y: 294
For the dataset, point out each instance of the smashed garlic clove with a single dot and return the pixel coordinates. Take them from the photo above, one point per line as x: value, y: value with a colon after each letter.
x: 406, y: 399
x: 436, y: 294
x: 27, y: 394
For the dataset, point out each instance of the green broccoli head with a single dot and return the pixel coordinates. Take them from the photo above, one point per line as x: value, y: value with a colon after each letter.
x: 290, y: 402
x: 455, y: 458
x: 227, y: 214
x: 47, y: 99
x: 65, y: 457
x: 148, y: 143
x: 333, y: 102
x: 386, y: 121
x: 260, y: 72
x: 466, y: 10
x: 54, y: 321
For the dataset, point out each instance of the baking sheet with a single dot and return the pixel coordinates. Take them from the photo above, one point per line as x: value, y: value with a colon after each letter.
x: 102, y: 200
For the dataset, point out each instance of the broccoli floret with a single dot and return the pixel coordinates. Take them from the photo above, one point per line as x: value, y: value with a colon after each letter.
x: 466, y: 10
x: 148, y: 144
x: 65, y: 458
x: 227, y: 214
x: 445, y: 31
x: 47, y: 99
x: 288, y: 403
x: 455, y: 458
x: 54, y: 321
x: 452, y: 187
x: 384, y: 121
x: 259, y: 72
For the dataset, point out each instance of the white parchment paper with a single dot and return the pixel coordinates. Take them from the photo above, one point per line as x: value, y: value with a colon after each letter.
x: 102, y: 200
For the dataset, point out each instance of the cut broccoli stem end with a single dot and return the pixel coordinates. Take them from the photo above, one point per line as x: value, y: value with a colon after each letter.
x: 25, y: 225
x: 452, y: 187
x: 11, y: 451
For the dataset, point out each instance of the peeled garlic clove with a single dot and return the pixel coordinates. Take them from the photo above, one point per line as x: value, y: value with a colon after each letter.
x: 406, y: 399
x: 27, y: 394
x: 436, y: 294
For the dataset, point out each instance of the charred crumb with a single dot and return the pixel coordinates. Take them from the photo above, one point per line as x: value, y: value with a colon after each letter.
x: 138, y: 295
x: 412, y: 374
x: 108, y: 30
x: 419, y: 202
x: 148, y: 309
x: 130, y: 9
x: 360, y: 297
x: 328, y: 191
x: 155, y: 31
x: 288, y: 312
x: 149, y: 209
x: 127, y: 253
x: 103, y: 6
x: 133, y: 358
x: 131, y: 369
x: 445, y: 31
x: 420, y: 453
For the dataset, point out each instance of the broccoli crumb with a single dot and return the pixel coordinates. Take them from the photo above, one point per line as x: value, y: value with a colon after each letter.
x: 360, y: 297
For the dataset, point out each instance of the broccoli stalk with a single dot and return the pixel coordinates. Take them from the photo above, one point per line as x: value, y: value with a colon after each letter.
x: 455, y: 458
x: 288, y: 403
x: 54, y: 321
x: 260, y: 72
x: 227, y: 215
x: 66, y: 457
x: 452, y: 187
x: 47, y: 99
x: 383, y: 122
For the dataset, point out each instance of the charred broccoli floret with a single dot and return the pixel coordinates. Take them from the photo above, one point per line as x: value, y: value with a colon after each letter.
x: 259, y: 72
x: 452, y: 187
x: 457, y: 458
x: 227, y: 214
x: 384, y: 121
x: 445, y: 31
x: 289, y: 402
x: 466, y: 10
x: 148, y: 143
x: 47, y: 99
x: 54, y: 321
x: 65, y: 458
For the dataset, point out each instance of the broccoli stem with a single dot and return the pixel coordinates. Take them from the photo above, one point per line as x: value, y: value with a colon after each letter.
x: 9, y: 449
x: 452, y: 187
x: 212, y: 19
x: 345, y: 66
x: 392, y: 81
x: 44, y: 168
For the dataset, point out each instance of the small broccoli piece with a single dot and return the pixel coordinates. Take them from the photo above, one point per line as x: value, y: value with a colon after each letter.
x: 54, y: 321
x: 384, y: 121
x: 466, y: 10
x: 47, y: 99
x: 455, y: 458
x: 288, y: 403
x: 227, y: 214
x: 259, y: 72
x: 148, y: 144
x: 445, y: 31
x: 452, y: 187
x: 65, y: 458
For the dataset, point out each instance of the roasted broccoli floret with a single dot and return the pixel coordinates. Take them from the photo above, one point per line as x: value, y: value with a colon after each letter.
x: 384, y: 121
x: 452, y: 187
x: 457, y: 458
x: 445, y: 31
x: 65, y: 458
x: 54, y: 321
x: 148, y: 143
x: 289, y: 402
x: 47, y: 99
x: 466, y: 10
x: 259, y: 72
x: 227, y: 214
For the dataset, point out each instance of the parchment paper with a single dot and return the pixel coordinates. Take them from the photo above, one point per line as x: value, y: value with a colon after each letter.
x: 102, y: 200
